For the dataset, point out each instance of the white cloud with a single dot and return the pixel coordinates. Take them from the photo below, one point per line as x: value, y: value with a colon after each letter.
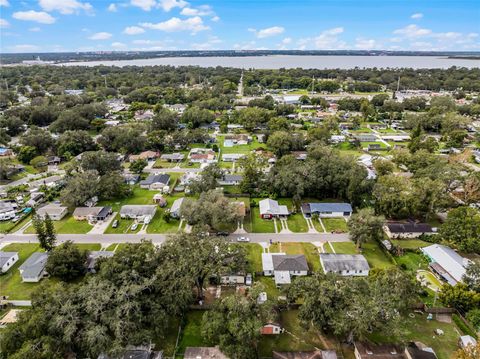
x: 146, y: 5
x: 34, y: 29
x: 100, y: 36
x: 268, y: 32
x: 112, y: 8
x: 24, y: 48
x: 193, y: 24
x: 133, y: 30
x: 202, y: 10
x: 65, y: 6
x: 215, y: 18
x: 37, y: 16
x: 328, y: 39
x: 4, y: 23
x: 208, y: 45
x: 4, y: 3
x: 168, y: 5
x: 416, y: 16
x: 287, y: 40
x: 366, y: 44
x: 412, y: 31
x: 118, y: 45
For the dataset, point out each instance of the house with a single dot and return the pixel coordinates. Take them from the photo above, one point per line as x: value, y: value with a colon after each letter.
x: 203, y: 353
x: 50, y: 182
x: 344, y: 264
x: 283, y: 266
x: 365, y: 137
x: 176, y: 207
x: 337, y: 139
x: 54, y: 160
x: 140, y: 213
x: 54, y: 210
x: 35, y: 199
x: 271, y: 329
x: 143, y: 115
x: 159, y: 200
x: 232, y: 278
x: 202, y: 155
x: 447, y: 263
x: 466, y: 340
x: 178, y: 108
x: 173, y: 157
x: 364, y: 350
x: 93, y: 257
x: 7, y: 210
x: 4, y: 152
x: 236, y: 140
x: 33, y: 269
x: 327, y: 210
x: 131, y: 178
x: 145, y: 155
x: 270, y: 208
x: 230, y: 180
x: 414, y: 351
x: 92, y: 214
x: 300, y: 155
x: 155, y: 181
x: 290, y: 99
x: 376, y: 147
x: 7, y: 260
x: 407, y: 230
x: 316, y: 354
x: 188, y: 177
x: 232, y: 157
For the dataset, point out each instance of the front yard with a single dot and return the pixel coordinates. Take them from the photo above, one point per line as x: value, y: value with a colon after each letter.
x: 260, y: 225
x: 297, y: 223
x: 307, y: 249
x: 67, y: 225
x: 335, y: 224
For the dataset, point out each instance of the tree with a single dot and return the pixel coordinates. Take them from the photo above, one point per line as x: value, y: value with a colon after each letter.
x: 383, y: 167
x: 208, y: 180
x: 75, y: 142
x: 253, y: 172
x: 40, y: 163
x: 364, y: 226
x: 69, y: 120
x: 45, y: 232
x: 393, y: 196
x: 100, y: 161
x: 196, y: 116
x: 79, y: 188
x: 66, y: 262
x: 124, y: 139
x: 472, y: 277
x: 164, y: 119
x: 470, y: 352
x: 26, y: 154
x: 459, y: 297
x: 252, y: 117
x: 138, y: 165
x: 473, y: 317
x: 280, y: 142
x: 462, y: 229
x: 37, y: 138
x: 234, y: 325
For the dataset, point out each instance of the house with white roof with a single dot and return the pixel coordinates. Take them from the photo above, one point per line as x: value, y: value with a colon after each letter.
x: 269, y: 208
x: 327, y: 210
x: 447, y: 263
x: 7, y: 260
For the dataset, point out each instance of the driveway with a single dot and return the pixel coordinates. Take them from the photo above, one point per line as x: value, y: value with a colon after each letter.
x: 101, y: 227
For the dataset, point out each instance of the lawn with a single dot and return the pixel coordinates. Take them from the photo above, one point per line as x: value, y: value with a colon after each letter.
x: 428, y: 278
x: 123, y: 226
x: 375, y: 256
x: 260, y: 225
x: 89, y: 246
x: 240, y: 148
x: 335, y: 224
x: 412, y: 261
x: 159, y: 225
x: 297, y: 223
x: 254, y: 257
x: 139, y: 196
x: 9, y: 226
x: 11, y: 283
x: 270, y: 288
x: 191, y: 333
x: 343, y: 247
x: 307, y: 249
x: 67, y: 225
x: 409, y: 243
x: 421, y: 329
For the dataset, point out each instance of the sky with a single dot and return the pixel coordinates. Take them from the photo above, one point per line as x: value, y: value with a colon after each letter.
x: 153, y: 25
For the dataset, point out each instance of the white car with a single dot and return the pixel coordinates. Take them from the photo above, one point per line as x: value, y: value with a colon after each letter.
x: 243, y: 239
x: 134, y: 227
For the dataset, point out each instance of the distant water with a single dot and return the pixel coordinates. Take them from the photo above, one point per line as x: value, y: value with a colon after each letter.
x: 288, y: 61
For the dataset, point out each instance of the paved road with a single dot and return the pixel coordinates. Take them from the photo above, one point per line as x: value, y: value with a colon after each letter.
x: 160, y: 238
x: 172, y: 169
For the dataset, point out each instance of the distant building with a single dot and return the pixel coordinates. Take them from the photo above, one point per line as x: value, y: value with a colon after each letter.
x: 203, y: 353
x: 54, y: 210
x: 364, y: 350
x: 271, y: 329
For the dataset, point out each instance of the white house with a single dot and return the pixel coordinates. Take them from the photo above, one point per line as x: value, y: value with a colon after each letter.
x: 7, y: 210
x: 54, y: 210
x: 232, y: 157
x: 327, y: 210
x: 269, y: 208
x: 344, y: 264
x: 283, y: 266
x: 7, y: 260
x: 447, y: 263
x: 232, y: 278
x: 140, y: 213
x: 33, y: 269
x: 176, y: 207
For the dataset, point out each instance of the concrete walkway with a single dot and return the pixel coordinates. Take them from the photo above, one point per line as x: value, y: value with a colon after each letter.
x: 284, y: 224
x: 24, y: 227
x: 323, y: 227
x: 101, y: 227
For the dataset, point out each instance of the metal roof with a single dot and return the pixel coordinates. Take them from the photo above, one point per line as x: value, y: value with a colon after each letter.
x: 5, y: 257
x: 454, y: 264
x: 330, y: 207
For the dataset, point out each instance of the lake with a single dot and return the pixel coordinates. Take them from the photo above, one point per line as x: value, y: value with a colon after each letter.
x: 293, y: 61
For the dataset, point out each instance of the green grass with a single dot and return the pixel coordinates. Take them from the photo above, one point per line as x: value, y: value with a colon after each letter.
x: 239, y: 149
x: 412, y: 261
x: 409, y: 243
x: 67, y: 225
x: 297, y: 223
x: 89, y: 246
x: 335, y: 224
x: 254, y: 257
x: 11, y: 282
x: 159, y: 225
x: 191, y: 333
x: 343, y: 247
x: 375, y: 256
x: 365, y: 144
x: 307, y: 249
x: 260, y: 225
x: 421, y: 329
x: 139, y: 196
x: 432, y: 282
x: 268, y: 282
x: 123, y: 226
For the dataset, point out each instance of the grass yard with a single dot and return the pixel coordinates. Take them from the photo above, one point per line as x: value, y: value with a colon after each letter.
x: 191, y: 333
x: 409, y: 243
x: 297, y: 223
x: 67, y: 225
x: 428, y: 279
x: 343, y: 247
x: 123, y: 226
x: 365, y: 144
x: 335, y: 224
x: 412, y: 261
x: 375, y: 256
x: 307, y: 249
x: 254, y: 256
x: 139, y: 196
x: 11, y: 283
x: 421, y: 329
x: 159, y: 225
x: 272, y: 291
x: 240, y: 148
x: 260, y: 225
x: 89, y: 246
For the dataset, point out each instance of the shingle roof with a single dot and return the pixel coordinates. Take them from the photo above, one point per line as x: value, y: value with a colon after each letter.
x: 270, y: 206
x: 203, y: 353
x: 34, y: 265
x: 397, y: 227
x: 330, y: 207
x: 343, y: 262
x: 289, y: 262
x: 161, y: 178
x: 138, y: 210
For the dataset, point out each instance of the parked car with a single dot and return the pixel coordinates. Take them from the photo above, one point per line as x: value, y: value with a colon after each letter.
x: 134, y: 227
x: 115, y: 224
x: 248, y: 279
x: 224, y: 234
x: 16, y: 219
x: 243, y: 239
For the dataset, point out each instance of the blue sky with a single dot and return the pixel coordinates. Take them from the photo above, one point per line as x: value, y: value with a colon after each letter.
x: 94, y: 25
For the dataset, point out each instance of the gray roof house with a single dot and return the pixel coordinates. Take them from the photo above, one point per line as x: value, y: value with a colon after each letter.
x: 173, y: 157
x: 283, y: 266
x: 230, y: 180
x: 176, y: 206
x: 7, y: 260
x: 138, y: 212
x: 48, y: 181
x: 93, y: 256
x: 344, y: 264
x: 447, y: 263
x: 327, y: 209
x: 33, y: 269
x: 270, y: 208
x: 155, y: 181
x: 54, y: 210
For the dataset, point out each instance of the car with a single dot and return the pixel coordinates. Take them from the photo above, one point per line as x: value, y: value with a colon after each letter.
x: 243, y: 239
x: 134, y: 226
x: 224, y: 234
x: 16, y: 219
x: 248, y: 279
x: 115, y: 224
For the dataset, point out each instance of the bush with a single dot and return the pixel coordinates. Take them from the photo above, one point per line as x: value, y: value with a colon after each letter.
x: 463, y: 327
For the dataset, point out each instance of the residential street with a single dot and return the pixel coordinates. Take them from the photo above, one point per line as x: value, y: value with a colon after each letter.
x: 160, y: 238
